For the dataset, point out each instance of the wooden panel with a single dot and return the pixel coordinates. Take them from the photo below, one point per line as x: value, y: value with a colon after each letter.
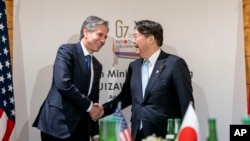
x: 246, y: 18
x: 247, y: 41
x: 9, y: 11
x: 248, y: 70
x: 246, y: 13
x: 10, y: 32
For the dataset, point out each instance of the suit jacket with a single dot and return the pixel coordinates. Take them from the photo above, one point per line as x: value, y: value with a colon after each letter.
x: 68, y: 100
x: 167, y: 94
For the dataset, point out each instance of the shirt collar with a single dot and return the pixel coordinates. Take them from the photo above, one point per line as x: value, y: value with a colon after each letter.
x: 152, y: 59
x: 85, y: 51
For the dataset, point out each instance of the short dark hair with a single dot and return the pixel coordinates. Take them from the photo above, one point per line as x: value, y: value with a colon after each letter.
x: 90, y: 23
x: 147, y: 28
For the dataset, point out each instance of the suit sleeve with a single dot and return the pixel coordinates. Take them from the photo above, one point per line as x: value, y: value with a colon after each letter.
x: 124, y: 96
x: 63, y: 78
x: 95, y: 124
x: 182, y: 83
x: 94, y: 128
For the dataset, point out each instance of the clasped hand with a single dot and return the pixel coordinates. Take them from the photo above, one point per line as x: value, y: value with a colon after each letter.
x: 96, y: 112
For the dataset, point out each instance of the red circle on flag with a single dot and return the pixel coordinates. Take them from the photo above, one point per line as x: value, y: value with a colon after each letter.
x: 187, y: 134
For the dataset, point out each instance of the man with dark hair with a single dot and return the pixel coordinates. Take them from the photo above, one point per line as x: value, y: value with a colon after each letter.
x: 158, y: 85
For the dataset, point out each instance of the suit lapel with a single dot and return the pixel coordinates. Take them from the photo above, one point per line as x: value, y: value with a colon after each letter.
x: 158, y: 69
x: 138, y: 73
x: 96, y: 70
x: 81, y: 58
x: 83, y: 66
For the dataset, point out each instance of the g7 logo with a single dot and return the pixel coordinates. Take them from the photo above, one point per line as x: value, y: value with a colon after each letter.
x: 120, y: 30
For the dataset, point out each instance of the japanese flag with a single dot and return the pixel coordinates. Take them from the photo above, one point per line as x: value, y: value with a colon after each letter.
x: 189, y: 130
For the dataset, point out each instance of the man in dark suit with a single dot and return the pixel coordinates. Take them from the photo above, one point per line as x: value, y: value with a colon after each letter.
x: 168, y: 91
x: 65, y: 113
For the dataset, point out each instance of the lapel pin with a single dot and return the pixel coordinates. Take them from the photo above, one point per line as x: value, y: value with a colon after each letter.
x: 161, y: 67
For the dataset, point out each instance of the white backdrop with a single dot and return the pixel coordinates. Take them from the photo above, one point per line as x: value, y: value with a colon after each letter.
x: 208, y: 34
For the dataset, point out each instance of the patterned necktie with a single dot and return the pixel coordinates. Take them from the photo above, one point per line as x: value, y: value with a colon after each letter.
x: 145, y: 76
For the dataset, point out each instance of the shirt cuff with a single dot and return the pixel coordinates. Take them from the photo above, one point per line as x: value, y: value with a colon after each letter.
x: 90, y: 107
x: 95, y: 137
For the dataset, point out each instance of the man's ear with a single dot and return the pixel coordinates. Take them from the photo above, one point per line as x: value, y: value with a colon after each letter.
x: 151, y: 39
x: 85, y: 32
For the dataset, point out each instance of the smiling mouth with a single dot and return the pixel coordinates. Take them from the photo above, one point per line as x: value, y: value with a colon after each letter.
x: 99, y: 45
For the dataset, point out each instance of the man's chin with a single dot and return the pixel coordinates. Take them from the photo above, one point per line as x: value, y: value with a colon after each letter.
x: 137, y: 51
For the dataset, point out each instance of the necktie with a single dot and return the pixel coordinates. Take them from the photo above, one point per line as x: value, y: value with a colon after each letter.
x: 88, y: 62
x: 88, y: 65
x: 145, y: 76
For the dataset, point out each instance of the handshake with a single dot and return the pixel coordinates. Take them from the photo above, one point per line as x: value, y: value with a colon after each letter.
x: 96, y: 111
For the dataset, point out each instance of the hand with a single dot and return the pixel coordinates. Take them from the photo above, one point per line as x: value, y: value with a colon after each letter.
x: 96, y: 112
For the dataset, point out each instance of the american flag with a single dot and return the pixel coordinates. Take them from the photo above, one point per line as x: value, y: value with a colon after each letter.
x: 124, y: 131
x: 7, y: 107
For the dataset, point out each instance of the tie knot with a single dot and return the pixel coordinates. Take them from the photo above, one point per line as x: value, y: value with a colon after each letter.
x: 146, y: 63
x: 88, y: 57
x: 88, y: 60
